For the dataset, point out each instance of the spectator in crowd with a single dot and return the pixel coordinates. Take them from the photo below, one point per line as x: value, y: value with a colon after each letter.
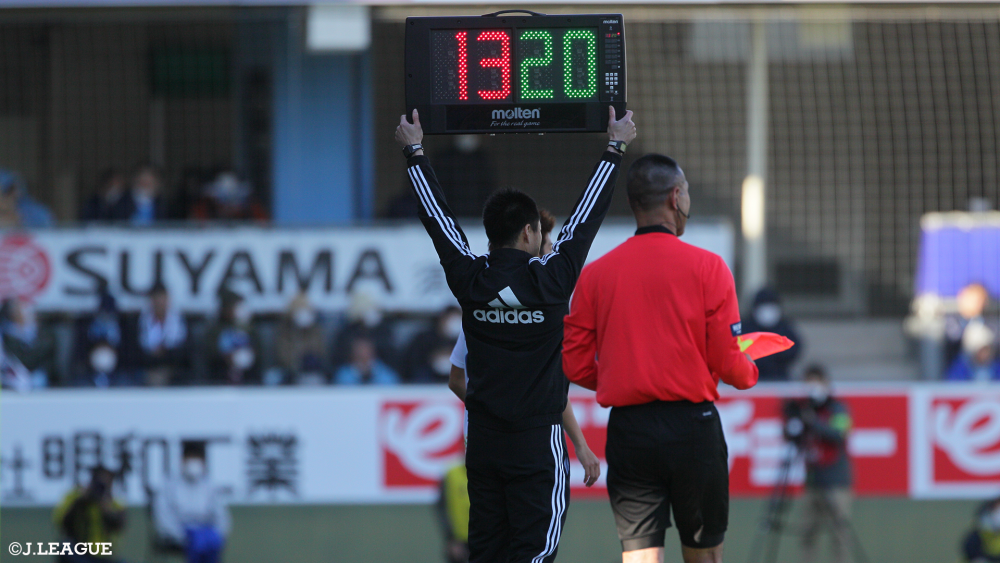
x: 233, y: 349
x: 163, y: 339
x: 982, y: 543
x: 428, y: 357
x: 227, y: 198
x: 825, y: 425
x: 29, y: 348
x: 104, y: 351
x: 301, y: 345
x: 767, y: 316
x: 188, y: 510
x: 90, y: 515
x: 142, y: 205
x: 972, y: 301
x: 366, y: 319
x: 17, y: 208
x: 103, y: 367
x: 453, y: 512
x: 111, y: 189
x: 364, y: 366
x: 978, y: 359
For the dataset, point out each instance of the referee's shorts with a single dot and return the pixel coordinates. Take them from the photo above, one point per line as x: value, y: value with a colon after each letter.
x: 665, y: 456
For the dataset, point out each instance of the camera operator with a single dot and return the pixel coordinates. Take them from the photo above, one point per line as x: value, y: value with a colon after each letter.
x: 819, y: 427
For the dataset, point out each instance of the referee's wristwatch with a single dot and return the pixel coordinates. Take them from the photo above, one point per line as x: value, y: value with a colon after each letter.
x: 619, y: 146
x: 408, y: 150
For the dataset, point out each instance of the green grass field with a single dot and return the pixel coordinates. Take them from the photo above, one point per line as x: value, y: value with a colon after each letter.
x: 892, y: 530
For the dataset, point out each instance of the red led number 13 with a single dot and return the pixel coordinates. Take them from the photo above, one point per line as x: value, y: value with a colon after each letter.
x: 502, y: 62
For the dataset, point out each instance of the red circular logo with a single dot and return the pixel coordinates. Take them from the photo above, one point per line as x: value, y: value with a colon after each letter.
x: 24, y: 267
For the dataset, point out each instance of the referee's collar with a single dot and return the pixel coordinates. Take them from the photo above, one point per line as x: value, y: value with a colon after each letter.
x: 653, y: 229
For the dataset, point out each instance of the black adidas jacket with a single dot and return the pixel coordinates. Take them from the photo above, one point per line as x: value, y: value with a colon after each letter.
x: 513, y: 304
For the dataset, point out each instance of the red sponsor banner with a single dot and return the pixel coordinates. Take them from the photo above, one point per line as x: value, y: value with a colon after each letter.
x: 956, y: 441
x: 753, y: 424
x: 925, y: 441
x: 420, y: 440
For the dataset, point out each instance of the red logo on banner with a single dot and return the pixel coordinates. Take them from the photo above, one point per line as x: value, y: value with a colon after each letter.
x: 420, y: 441
x: 24, y: 267
x: 877, y: 444
x: 966, y: 445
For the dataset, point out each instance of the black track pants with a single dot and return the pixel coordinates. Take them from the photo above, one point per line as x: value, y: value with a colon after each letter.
x: 519, y: 493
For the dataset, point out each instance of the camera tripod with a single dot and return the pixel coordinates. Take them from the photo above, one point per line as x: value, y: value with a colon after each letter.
x: 768, y: 539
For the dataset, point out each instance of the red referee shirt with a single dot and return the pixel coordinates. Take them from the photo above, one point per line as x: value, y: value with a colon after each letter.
x: 655, y: 319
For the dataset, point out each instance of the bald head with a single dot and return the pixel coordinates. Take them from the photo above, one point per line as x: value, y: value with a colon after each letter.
x: 651, y: 180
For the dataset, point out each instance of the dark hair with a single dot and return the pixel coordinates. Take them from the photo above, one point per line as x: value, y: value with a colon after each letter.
x: 816, y: 371
x: 651, y: 180
x: 506, y: 212
x: 547, y: 220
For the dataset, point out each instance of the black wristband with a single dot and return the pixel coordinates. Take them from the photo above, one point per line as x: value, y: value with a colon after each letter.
x: 618, y: 146
x: 408, y: 150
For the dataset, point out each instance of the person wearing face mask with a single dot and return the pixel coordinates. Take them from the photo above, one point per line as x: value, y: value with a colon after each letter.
x: 189, y: 511
x: 429, y: 353
x: 365, y: 319
x: 32, y: 346
x: 767, y: 316
x: 982, y: 543
x: 103, y: 368
x: 301, y: 344
x: 232, y: 346
x: 104, y: 328
x: 825, y: 426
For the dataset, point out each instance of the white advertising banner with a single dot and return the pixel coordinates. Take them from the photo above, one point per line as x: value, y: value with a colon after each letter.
x: 392, y: 444
x: 61, y: 269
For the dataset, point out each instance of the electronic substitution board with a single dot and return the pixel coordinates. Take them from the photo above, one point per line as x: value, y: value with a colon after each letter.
x: 504, y: 73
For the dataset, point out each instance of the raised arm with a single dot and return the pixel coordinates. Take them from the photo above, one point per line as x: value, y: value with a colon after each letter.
x: 449, y: 240
x: 569, y: 251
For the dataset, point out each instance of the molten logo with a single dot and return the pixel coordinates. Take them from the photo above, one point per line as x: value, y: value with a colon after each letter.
x: 508, y: 316
x: 517, y: 113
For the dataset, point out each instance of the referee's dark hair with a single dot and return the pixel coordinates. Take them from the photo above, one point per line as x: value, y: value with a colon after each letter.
x: 651, y: 180
x: 506, y: 213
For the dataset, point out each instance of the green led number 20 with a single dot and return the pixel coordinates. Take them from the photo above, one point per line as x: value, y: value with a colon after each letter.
x: 546, y: 59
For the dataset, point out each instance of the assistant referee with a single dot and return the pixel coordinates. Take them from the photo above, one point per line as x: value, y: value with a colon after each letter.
x: 652, y: 328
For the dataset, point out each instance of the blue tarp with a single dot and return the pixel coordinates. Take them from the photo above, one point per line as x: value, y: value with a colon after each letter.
x: 957, y: 249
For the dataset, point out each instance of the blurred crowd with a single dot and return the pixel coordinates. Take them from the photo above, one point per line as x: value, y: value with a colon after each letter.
x: 159, y: 345
x: 303, y: 345
x: 138, y: 198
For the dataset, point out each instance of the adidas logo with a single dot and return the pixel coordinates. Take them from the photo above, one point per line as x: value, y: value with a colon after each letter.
x: 507, y: 309
x: 509, y: 316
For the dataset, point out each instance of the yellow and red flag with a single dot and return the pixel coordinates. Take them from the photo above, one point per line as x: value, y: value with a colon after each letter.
x: 760, y: 344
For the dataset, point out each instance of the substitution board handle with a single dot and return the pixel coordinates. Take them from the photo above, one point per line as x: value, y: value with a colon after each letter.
x: 495, y: 14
